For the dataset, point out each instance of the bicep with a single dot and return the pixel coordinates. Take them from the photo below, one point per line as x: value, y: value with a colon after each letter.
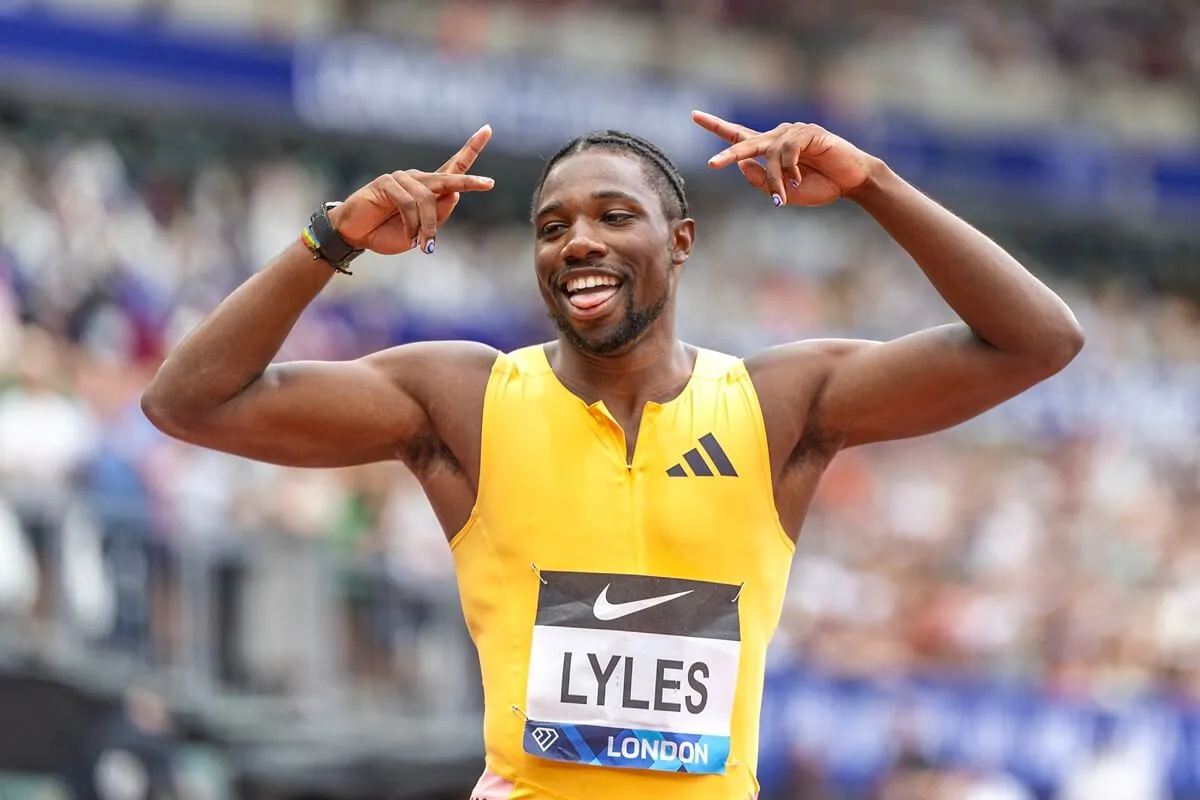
x: 331, y: 414
x: 915, y: 385
x: 314, y: 414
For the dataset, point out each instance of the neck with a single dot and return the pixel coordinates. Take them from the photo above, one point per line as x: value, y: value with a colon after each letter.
x: 655, y: 369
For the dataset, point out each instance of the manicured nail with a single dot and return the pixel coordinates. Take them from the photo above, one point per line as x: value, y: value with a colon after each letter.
x: 777, y: 200
x: 795, y: 183
x: 429, y: 247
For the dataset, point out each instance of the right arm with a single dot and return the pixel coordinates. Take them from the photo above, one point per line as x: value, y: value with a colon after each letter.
x: 219, y: 389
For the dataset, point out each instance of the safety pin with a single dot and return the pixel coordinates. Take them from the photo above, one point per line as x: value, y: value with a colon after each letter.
x: 537, y: 572
x: 741, y: 586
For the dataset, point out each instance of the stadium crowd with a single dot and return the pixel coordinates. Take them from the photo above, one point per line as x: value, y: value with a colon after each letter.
x: 1050, y: 542
x: 1127, y: 68
x: 1047, y: 540
x: 1123, y: 68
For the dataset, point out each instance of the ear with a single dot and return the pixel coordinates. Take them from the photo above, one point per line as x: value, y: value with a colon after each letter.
x: 683, y: 236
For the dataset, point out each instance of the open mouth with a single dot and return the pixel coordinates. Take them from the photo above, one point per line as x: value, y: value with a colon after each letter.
x: 590, y: 295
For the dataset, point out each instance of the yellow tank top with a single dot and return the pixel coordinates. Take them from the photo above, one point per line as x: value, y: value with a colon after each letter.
x: 622, y: 613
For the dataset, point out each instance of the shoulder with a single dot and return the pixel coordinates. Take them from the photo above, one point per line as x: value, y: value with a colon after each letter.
x: 790, y: 380
x: 782, y: 368
x: 435, y: 357
x: 437, y: 371
x: 799, y: 366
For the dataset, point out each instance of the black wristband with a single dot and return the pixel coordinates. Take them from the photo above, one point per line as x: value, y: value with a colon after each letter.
x: 329, y: 245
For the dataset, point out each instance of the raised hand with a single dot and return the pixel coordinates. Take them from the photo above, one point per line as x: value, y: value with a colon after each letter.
x: 802, y: 164
x: 402, y: 210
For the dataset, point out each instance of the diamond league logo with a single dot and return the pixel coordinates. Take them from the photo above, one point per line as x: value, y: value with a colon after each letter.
x: 545, y: 737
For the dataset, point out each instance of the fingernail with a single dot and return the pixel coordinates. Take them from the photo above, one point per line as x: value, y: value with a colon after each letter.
x: 777, y: 200
x: 429, y: 247
x: 795, y: 183
x: 414, y: 242
x: 488, y: 181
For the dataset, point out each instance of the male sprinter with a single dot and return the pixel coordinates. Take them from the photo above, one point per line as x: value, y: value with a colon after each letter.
x: 622, y: 506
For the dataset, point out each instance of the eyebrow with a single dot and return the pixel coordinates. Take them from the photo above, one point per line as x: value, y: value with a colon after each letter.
x: 606, y: 194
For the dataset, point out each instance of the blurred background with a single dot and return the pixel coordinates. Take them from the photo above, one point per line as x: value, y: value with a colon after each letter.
x: 1007, y: 611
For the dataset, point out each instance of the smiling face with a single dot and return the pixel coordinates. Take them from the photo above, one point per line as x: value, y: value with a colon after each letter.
x: 606, y: 251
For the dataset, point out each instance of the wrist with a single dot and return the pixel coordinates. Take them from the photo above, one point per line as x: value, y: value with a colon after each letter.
x: 325, y: 242
x: 336, y: 215
x: 879, y: 178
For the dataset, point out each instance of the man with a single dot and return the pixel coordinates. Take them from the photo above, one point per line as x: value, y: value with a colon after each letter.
x: 129, y: 755
x: 622, y: 507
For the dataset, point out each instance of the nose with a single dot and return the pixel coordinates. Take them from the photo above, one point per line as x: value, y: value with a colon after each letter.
x: 583, y: 245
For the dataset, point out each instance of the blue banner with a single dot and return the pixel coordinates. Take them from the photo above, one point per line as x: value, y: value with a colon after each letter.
x: 1068, y: 171
x: 358, y: 85
x: 627, y: 748
x: 851, y: 726
x: 365, y: 85
x: 414, y: 92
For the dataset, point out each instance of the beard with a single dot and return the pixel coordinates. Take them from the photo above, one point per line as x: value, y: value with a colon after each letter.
x: 633, y: 325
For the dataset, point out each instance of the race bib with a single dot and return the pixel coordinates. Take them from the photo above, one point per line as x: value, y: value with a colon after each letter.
x: 633, y: 671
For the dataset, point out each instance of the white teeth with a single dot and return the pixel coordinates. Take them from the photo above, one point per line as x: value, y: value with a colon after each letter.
x: 591, y: 281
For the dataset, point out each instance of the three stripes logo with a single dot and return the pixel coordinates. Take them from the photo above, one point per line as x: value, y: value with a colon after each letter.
x: 699, y: 466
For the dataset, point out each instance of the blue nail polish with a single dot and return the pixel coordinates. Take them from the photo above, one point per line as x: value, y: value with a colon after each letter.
x: 777, y: 200
x: 429, y: 247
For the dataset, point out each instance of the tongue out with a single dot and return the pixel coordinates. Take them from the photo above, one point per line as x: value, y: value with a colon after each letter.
x: 590, y: 298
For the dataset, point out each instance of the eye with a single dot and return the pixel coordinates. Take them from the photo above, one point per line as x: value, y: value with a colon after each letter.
x: 551, y: 228
x: 616, y: 217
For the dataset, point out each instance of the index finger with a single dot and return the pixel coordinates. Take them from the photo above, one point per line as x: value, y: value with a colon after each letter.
x: 441, y: 183
x: 748, y: 148
x: 460, y: 162
x: 729, y: 131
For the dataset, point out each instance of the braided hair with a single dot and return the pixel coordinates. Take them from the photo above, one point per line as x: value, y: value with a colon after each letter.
x: 659, y: 168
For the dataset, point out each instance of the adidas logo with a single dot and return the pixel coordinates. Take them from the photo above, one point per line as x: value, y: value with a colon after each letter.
x: 700, y: 468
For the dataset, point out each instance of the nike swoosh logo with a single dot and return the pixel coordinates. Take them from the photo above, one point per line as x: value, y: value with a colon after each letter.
x: 607, y: 612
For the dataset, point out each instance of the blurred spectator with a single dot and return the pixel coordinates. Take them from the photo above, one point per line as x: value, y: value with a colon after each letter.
x: 1115, y: 770
x: 129, y: 756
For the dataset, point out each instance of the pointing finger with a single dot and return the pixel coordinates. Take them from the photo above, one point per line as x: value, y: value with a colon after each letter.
x: 729, y: 131
x: 447, y: 183
x: 749, y: 148
x: 462, y: 161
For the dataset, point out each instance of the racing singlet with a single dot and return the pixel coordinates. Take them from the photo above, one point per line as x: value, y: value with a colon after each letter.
x: 622, y: 613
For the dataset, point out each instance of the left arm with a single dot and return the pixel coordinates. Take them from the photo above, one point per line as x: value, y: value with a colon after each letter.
x: 1015, y: 332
